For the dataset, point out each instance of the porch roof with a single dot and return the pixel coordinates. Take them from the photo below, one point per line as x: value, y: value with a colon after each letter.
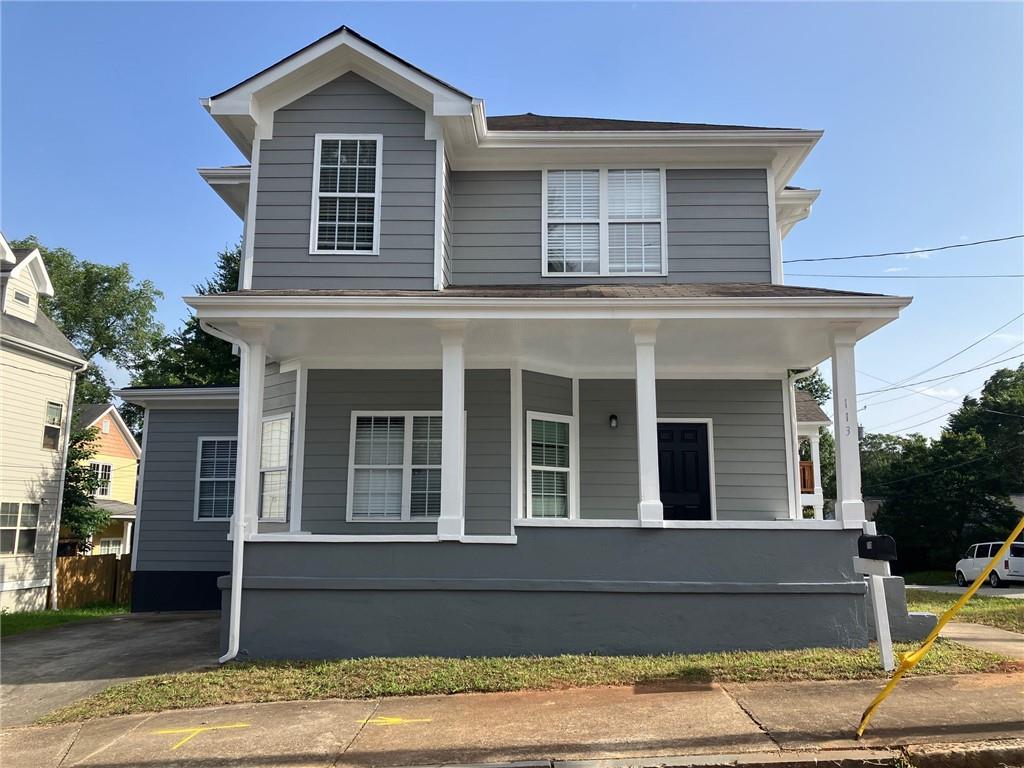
x: 717, y: 329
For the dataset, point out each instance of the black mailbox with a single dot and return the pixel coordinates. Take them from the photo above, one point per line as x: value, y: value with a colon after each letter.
x: 877, y: 547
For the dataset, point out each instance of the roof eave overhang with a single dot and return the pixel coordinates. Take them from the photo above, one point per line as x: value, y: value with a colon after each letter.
x: 180, y: 397
x: 793, y: 206
x: 38, y: 349
x: 870, y: 312
x: 231, y: 185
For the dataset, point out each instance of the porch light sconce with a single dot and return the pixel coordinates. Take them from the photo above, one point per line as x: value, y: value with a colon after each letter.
x: 613, y: 421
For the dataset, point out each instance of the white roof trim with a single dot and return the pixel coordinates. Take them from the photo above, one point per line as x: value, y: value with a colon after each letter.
x: 123, y: 428
x: 181, y: 397
x: 231, y: 185
x: 40, y: 277
x: 793, y: 206
x: 6, y: 253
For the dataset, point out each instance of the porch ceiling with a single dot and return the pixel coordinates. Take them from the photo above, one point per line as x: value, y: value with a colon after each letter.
x: 590, y: 337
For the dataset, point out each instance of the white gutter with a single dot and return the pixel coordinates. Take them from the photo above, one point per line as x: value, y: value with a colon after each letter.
x: 60, y: 483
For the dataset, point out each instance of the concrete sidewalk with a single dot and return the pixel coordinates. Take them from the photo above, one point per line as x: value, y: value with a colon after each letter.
x: 577, y: 724
x: 985, y: 638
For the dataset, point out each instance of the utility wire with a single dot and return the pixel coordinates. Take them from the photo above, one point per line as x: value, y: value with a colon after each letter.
x: 933, y: 472
x: 901, y: 277
x: 907, y: 253
x: 939, y: 378
x: 955, y: 354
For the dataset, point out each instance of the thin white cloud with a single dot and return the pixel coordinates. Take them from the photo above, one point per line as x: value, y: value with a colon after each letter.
x: 964, y: 238
x: 898, y: 269
x: 950, y: 393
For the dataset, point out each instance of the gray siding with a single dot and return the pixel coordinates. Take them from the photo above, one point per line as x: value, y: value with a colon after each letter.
x: 333, y: 395
x: 717, y: 228
x: 349, y: 104
x: 748, y: 428
x: 169, y: 538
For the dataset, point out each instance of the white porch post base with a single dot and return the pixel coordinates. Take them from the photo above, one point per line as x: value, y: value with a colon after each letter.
x: 650, y: 510
x: 849, y: 505
x: 451, y: 525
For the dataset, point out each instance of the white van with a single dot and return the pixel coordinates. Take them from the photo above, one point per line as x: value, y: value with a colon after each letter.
x: 978, y: 556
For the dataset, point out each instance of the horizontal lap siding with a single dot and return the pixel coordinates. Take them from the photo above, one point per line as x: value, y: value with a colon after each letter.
x: 332, y: 396
x: 169, y: 537
x: 749, y: 439
x: 717, y: 228
x: 349, y: 104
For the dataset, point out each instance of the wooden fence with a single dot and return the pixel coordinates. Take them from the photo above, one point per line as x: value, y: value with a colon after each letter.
x: 90, y: 579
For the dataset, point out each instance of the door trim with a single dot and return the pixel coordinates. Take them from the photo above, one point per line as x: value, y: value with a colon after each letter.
x: 711, y: 450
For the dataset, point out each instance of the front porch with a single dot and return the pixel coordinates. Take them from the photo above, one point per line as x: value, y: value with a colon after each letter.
x: 635, y: 457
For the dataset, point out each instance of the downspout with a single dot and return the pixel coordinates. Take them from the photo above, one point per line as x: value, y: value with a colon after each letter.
x: 60, y: 483
x: 238, y: 514
x: 794, y: 481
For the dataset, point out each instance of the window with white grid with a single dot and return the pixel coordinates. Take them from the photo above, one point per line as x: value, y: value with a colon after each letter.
x: 395, y: 467
x: 274, y: 449
x: 19, y: 524
x: 109, y: 547
x: 604, y: 222
x: 52, y: 426
x: 346, y: 194
x: 549, y: 475
x: 103, y: 474
x: 215, y: 478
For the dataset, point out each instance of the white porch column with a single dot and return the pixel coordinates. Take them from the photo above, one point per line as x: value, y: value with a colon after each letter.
x: 819, y: 511
x: 849, y: 505
x: 126, y: 537
x: 452, y: 522
x: 650, y: 509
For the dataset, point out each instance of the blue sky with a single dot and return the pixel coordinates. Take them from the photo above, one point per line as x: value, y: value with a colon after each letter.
x: 921, y: 106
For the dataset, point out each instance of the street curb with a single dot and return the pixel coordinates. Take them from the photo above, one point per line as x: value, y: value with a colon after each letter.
x: 965, y: 755
x: 855, y: 758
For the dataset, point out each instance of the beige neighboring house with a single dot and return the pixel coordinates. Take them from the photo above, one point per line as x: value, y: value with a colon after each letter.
x: 37, y: 389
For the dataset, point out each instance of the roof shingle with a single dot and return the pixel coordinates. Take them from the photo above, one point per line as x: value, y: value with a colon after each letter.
x: 531, y: 122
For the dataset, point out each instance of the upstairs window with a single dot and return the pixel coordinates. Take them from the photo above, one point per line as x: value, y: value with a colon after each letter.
x: 346, y: 194
x: 52, y: 425
x: 215, y: 478
x: 103, y: 474
x: 604, y: 222
x: 24, y: 298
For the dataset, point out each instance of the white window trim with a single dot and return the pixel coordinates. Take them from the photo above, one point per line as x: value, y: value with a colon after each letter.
x: 286, y: 417
x: 110, y: 475
x: 406, y: 467
x: 120, y: 544
x: 602, y: 221
x: 711, y: 455
x: 18, y: 528
x: 199, y: 463
x: 314, y: 208
x: 59, y: 426
x: 574, y: 508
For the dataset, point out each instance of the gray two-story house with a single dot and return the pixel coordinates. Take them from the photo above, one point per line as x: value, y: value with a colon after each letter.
x: 517, y: 384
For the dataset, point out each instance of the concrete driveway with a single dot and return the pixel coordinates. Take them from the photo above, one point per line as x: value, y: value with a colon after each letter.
x: 46, y: 669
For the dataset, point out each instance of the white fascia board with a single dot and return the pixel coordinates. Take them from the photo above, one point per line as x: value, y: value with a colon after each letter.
x: 6, y: 253
x: 183, y: 397
x: 37, y: 269
x: 79, y: 363
x: 793, y: 206
x: 231, y: 185
x: 835, y: 309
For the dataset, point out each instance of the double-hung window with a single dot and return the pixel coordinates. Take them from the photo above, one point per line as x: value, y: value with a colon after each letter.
x: 19, y: 524
x: 103, y: 474
x: 346, y: 194
x: 607, y: 221
x: 215, y: 478
x: 109, y: 547
x: 274, y: 468
x: 395, y: 467
x: 52, y: 426
x: 550, y: 479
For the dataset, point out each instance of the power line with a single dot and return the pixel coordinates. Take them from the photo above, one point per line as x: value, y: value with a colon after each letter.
x: 933, y: 472
x: 939, y: 378
x: 901, y: 277
x: 907, y: 253
x: 955, y: 354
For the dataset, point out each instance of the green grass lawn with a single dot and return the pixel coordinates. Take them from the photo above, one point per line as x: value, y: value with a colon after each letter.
x: 16, y: 623
x: 369, y: 678
x: 1001, y: 612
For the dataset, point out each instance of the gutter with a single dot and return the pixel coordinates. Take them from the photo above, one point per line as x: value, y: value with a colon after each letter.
x: 60, y: 485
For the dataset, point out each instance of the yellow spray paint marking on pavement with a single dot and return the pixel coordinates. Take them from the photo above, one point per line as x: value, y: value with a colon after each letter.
x: 383, y: 720
x: 193, y: 732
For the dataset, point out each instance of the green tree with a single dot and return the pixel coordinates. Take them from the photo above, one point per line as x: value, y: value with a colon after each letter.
x: 103, y: 310
x: 816, y: 386
x: 79, y: 514
x: 190, y: 356
x: 998, y: 416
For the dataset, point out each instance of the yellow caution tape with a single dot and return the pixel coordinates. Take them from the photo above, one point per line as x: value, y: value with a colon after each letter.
x: 910, y: 660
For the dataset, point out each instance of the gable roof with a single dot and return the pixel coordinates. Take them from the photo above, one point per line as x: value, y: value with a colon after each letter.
x: 808, y: 411
x: 88, y: 414
x: 17, y: 260
x: 531, y: 122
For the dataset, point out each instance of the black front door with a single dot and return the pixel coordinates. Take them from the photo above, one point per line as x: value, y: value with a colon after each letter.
x: 683, y: 470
